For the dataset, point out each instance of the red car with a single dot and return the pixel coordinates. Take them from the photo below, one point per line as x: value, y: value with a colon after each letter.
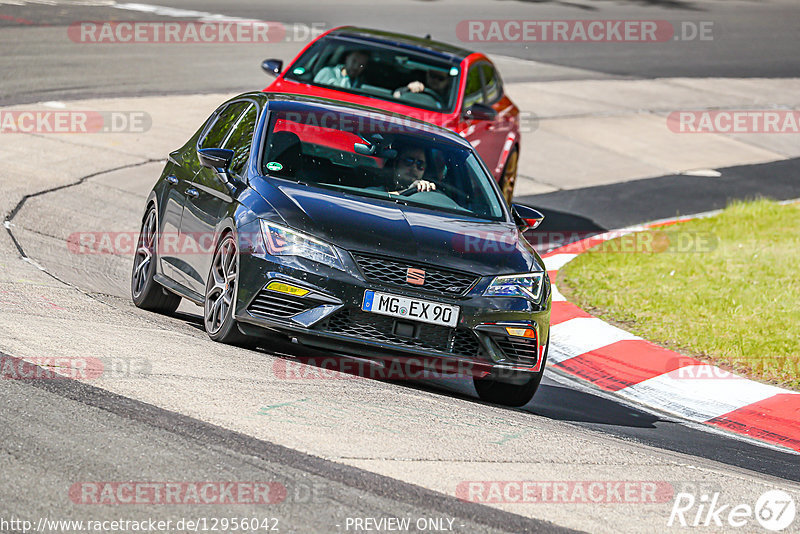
x: 435, y: 82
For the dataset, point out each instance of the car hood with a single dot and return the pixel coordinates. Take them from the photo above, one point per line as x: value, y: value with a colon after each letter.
x: 360, y: 224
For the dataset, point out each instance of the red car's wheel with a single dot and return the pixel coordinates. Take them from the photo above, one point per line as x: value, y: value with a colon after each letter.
x: 509, y: 179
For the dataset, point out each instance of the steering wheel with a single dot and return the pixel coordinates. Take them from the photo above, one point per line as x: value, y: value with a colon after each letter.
x: 430, y: 92
x: 443, y: 189
x: 440, y: 188
x: 407, y: 192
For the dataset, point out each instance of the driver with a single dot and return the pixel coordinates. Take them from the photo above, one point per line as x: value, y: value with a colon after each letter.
x: 437, y: 81
x: 409, y: 168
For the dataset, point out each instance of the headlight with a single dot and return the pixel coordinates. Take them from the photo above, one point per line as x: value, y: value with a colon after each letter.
x: 282, y: 241
x: 527, y: 285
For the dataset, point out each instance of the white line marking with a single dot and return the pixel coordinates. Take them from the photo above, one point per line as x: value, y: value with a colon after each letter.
x: 557, y: 261
x: 581, y: 335
x: 702, y: 173
x: 698, y: 399
x: 163, y: 11
x: 557, y: 296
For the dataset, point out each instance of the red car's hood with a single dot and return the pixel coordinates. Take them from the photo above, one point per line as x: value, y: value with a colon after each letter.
x: 281, y: 85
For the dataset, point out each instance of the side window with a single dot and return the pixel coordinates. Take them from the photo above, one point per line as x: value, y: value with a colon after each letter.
x: 309, y: 63
x: 241, y: 139
x: 215, y: 136
x: 474, y: 91
x: 491, y: 84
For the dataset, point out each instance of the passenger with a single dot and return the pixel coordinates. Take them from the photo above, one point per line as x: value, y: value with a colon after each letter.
x: 347, y: 74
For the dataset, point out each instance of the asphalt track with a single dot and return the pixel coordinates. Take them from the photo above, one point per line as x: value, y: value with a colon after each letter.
x: 55, y: 432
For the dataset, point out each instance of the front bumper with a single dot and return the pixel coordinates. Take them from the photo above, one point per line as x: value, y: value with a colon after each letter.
x: 329, y: 317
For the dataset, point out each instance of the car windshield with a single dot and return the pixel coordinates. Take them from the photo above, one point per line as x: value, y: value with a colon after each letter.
x: 366, y: 155
x: 388, y: 73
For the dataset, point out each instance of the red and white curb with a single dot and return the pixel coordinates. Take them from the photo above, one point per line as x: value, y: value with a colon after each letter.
x: 643, y: 373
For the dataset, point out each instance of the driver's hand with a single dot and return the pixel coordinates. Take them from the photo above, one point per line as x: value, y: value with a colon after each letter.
x: 423, y: 185
x: 416, y: 87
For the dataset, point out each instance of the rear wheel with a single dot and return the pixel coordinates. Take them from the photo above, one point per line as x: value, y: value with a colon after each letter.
x: 516, y: 389
x: 509, y: 179
x: 220, y: 293
x: 146, y: 292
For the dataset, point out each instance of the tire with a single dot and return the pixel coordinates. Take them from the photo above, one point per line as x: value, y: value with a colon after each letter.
x: 509, y: 178
x: 145, y: 291
x: 220, y: 294
x: 501, y: 392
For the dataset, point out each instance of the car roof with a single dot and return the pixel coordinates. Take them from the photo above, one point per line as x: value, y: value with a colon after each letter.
x: 417, y: 44
x: 285, y: 101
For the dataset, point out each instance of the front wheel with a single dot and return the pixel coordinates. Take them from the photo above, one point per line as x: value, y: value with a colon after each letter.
x: 221, y: 292
x: 509, y: 178
x: 516, y: 390
x: 145, y: 291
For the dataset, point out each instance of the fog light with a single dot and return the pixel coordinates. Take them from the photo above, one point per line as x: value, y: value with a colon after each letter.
x: 282, y: 287
x: 521, y: 332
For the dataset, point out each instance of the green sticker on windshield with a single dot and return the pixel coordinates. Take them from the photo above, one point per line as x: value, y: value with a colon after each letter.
x: 274, y: 166
x: 298, y: 71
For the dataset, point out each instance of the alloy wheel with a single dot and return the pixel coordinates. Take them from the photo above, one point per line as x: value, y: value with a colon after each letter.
x: 221, y: 287
x: 145, y: 252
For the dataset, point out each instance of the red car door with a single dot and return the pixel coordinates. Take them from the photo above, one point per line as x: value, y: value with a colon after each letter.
x: 500, y: 129
x: 487, y: 136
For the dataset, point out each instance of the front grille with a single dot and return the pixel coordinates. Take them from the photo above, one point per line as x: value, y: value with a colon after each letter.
x: 272, y: 305
x: 518, y: 350
x: 392, y: 272
x: 374, y: 327
x: 464, y: 342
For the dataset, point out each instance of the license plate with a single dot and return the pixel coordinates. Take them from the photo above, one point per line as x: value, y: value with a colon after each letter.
x: 410, y: 308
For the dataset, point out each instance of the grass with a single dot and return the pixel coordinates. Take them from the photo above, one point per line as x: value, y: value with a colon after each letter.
x: 725, y: 289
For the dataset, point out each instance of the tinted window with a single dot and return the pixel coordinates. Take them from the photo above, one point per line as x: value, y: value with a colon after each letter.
x: 491, y: 83
x: 474, y: 91
x: 241, y: 138
x: 379, y: 71
x: 366, y: 156
x: 215, y: 137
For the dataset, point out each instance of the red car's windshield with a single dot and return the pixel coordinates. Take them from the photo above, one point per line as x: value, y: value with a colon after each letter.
x: 378, y: 71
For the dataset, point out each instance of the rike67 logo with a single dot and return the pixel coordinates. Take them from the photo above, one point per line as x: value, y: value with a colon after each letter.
x: 774, y: 510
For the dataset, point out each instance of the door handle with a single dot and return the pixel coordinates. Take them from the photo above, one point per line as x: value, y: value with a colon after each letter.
x: 192, y: 192
x: 173, y: 180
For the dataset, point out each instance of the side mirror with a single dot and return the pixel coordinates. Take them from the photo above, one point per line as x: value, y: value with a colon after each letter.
x: 364, y: 149
x: 272, y: 67
x: 480, y: 112
x: 218, y: 159
x: 526, y: 217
